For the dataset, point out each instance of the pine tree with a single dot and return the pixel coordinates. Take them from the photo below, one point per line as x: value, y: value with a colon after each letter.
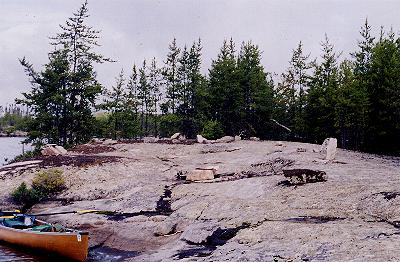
x: 224, y: 89
x: 48, y: 100
x: 115, y: 103
x: 154, y: 93
x: 170, y: 75
x: 256, y: 91
x: 384, y: 96
x: 320, y: 111
x: 78, y: 89
x: 290, y: 93
x: 144, y: 99
x: 191, y: 82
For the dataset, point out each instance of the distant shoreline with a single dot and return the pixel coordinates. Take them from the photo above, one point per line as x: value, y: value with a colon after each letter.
x: 15, y: 134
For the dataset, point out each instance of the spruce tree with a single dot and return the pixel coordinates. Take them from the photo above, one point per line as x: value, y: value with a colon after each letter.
x: 224, y: 89
x: 320, y: 111
x: 256, y: 92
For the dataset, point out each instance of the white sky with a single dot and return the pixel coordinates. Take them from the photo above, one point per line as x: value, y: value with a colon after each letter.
x: 136, y: 29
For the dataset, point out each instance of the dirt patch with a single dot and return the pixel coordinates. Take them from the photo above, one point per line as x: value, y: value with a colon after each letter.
x: 92, y: 149
x: 78, y: 161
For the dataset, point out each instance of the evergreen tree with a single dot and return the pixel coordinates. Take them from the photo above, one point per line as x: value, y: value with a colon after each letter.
x: 74, y: 89
x: 384, y: 96
x: 224, y: 89
x: 290, y: 94
x: 320, y: 111
x: 144, y: 99
x: 170, y: 76
x: 190, y: 83
x: 154, y: 93
x: 256, y: 92
x: 48, y: 100
x: 115, y: 103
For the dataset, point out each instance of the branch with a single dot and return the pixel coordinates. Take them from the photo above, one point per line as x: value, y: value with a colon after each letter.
x: 276, y: 122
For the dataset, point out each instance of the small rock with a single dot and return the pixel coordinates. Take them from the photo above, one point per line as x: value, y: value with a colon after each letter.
x: 175, y: 136
x: 201, y: 139
x: 279, y: 143
x: 301, y: 149
x: 226, y: 139
x: 238, y: 138
x: 253, y: 138
x: 150, y: 139
x: 201, y: 174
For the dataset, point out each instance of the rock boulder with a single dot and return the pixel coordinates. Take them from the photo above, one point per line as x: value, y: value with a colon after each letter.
x: 201, y: 174
x: 329, y: 148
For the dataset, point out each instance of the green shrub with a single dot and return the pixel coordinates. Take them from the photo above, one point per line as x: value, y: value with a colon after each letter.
x: 26, y: 156
x: 169, y: 125
x: 25, y: 196
x: 49, y: 182
x: 212, y: 130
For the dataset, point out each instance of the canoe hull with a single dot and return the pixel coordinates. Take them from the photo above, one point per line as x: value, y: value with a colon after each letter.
x: 73, y: 245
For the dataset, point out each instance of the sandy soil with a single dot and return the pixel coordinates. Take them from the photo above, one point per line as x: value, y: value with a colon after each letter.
x: 353, y: 216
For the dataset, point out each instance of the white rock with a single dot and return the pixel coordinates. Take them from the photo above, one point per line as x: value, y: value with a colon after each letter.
x: 62, y: 150
x: 50, y: 151
x: 329, y: 148
x: 150, y: 139
x: 176, y: 136
x: 253, y: 138
x: 110, y: 142
x: 201, y: 174
x: 238, y: 138
x: 201, y: 139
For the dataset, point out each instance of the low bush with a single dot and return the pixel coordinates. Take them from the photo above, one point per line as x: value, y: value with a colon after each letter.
x: 44, y: 185
x: 49, y: 182
x: 212, y: 130
x: 25, y: 196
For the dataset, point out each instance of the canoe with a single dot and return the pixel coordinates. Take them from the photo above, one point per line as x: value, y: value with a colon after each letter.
x: 28, y: 232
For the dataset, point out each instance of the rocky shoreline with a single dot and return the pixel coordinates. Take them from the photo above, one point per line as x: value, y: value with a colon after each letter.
x: 246, y: 212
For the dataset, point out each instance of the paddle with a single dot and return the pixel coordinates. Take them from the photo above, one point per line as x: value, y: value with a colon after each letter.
x: 9, y: 214
x: 79, y: 212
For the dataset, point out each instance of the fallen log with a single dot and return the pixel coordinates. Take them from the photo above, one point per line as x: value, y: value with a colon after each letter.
x: 304, y: 176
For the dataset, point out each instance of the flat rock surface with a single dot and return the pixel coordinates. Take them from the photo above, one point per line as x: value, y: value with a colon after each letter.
x: 246, y: 213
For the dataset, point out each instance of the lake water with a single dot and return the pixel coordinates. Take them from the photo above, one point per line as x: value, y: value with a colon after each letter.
x: 10, y: 147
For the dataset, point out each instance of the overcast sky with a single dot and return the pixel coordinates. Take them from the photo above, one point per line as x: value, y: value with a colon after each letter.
x: 136, y: 29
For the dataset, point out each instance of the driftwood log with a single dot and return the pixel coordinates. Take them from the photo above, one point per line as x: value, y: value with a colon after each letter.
x: 304, y: 176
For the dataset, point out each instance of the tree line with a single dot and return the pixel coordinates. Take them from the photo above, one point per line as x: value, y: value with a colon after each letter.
x: 356, y: 99
x: 13, y: 118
